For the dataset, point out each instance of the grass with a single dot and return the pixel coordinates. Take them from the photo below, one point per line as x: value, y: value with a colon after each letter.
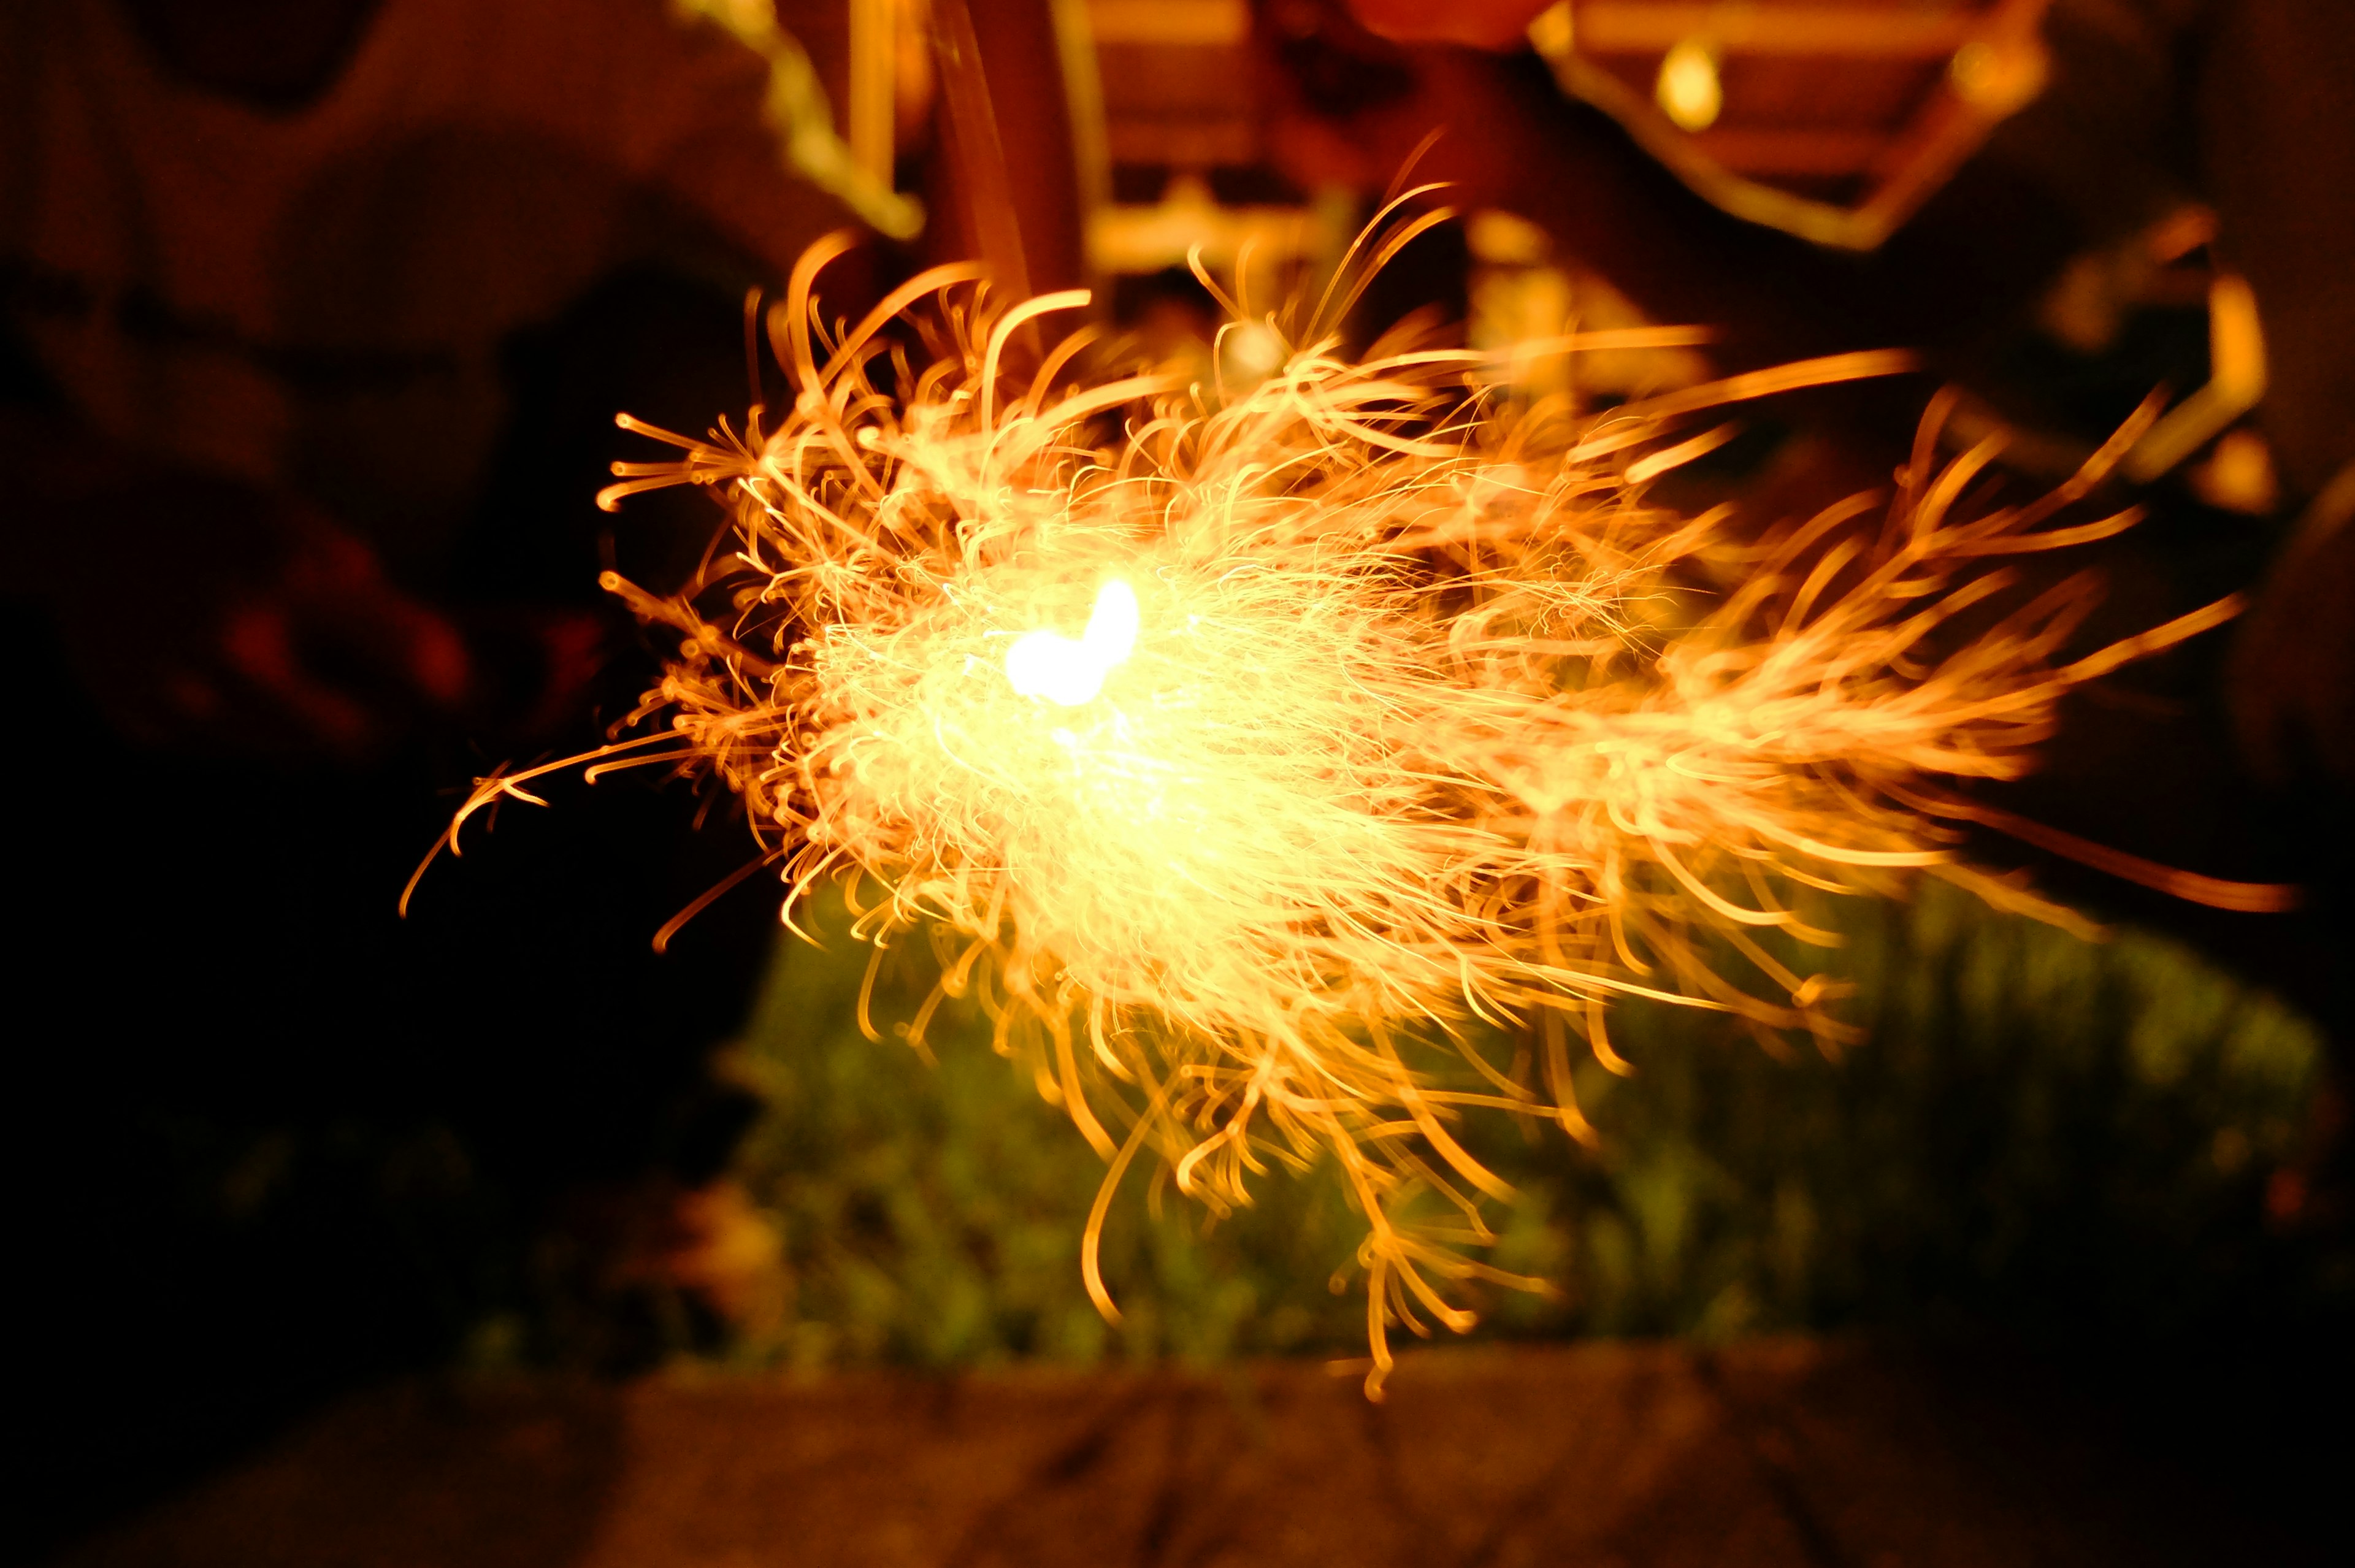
x: 2065, y: 1138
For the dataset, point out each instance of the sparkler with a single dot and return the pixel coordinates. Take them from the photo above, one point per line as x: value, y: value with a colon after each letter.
x: 1250, y: 753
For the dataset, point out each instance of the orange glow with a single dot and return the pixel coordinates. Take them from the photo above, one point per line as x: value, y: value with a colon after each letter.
x: 1388, y: 717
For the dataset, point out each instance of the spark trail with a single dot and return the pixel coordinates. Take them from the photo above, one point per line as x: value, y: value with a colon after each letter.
x: 1250, y: 753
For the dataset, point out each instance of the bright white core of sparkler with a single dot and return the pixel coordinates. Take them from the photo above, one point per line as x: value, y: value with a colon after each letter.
x: 1068, y: 671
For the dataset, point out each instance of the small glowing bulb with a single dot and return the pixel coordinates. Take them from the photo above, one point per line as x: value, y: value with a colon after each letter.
x: 1689, y: 90
x: 1254, y: 351
x: 1068, y: 671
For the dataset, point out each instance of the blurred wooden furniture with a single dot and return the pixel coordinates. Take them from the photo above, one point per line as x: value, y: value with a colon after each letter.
x: 1771, y: 1454
x: 1833, y: 120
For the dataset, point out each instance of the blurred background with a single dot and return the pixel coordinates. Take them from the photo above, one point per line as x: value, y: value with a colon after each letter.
x: 313, y: 315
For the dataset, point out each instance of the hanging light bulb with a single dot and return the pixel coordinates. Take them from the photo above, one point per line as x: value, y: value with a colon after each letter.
x: 1689, y: 90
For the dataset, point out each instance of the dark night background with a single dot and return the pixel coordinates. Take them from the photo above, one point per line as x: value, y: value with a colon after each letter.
x: 274, y: 1151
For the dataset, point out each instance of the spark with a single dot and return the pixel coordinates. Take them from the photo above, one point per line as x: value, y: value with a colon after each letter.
x: 1045, y: 663
x: 1398, y: 720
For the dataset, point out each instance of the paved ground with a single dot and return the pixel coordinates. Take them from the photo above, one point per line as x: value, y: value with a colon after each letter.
x: 1774, y: 1452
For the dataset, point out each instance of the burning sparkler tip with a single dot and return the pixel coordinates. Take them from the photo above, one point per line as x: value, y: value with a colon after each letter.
x: 1070, y: 672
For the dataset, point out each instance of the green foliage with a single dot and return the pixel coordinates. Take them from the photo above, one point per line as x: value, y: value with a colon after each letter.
x: 2061, y: 1136
x: 932, y: 1211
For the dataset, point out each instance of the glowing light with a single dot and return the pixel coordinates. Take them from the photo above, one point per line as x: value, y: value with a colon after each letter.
x: 1252, y: 351
x: 1687, y: 90
x: 1437, y: 723
x: 1069, y: 672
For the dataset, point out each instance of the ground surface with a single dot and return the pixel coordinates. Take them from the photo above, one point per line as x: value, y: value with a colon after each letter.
x: 1774, y: 1453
